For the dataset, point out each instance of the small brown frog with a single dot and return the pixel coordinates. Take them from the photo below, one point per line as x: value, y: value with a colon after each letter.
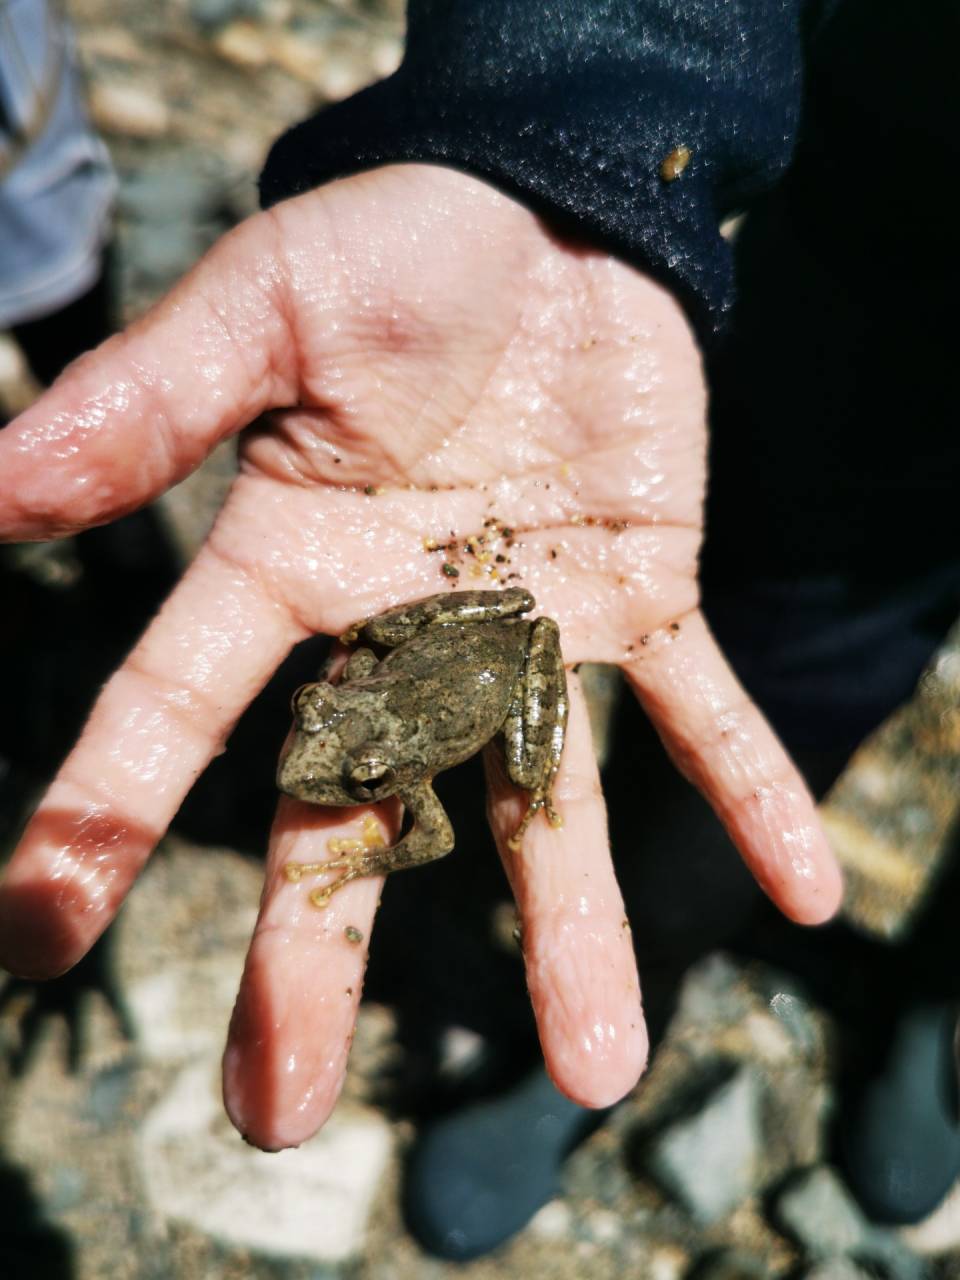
x: 458, y: 670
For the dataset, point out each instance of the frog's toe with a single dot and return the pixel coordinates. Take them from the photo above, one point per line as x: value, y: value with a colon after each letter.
x: 533, y: 808
x: 295, y: 871
x: 537, y: 802
x: 321, y: 897
x: 352, y: 868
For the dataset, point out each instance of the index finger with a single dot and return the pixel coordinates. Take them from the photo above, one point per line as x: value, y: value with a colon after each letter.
x: 159, y: 720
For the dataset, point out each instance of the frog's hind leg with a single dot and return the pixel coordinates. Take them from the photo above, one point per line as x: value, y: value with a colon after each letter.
x: 430, y: 837
x: 536, y: 725
x: 395, y: 626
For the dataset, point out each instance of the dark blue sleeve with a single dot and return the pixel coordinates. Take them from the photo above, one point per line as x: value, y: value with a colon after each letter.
x: 573, y: 106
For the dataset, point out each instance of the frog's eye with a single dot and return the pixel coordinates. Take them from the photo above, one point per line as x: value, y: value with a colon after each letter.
x: 296, y: 698
x: 314, y: 706
x: 368, y: 776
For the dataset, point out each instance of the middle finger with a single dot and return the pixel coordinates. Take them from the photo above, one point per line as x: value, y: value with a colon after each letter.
x: 291, y: 1030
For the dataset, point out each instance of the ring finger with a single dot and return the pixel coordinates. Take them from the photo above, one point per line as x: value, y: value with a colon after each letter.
x: 577, y: 947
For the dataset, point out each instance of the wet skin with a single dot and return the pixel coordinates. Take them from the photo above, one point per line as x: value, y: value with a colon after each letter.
x: 459, y: 670
x: 430, y: 354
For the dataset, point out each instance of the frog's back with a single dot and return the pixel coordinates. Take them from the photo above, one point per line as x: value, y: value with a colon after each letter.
x: 453, y: 685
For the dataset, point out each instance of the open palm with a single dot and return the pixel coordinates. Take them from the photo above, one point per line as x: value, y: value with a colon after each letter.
x: 442, y: 372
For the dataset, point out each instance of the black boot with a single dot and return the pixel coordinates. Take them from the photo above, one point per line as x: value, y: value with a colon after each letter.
x: 899, y: 1133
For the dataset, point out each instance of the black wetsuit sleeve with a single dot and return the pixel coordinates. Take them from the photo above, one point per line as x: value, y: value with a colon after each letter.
x: 573, y: 106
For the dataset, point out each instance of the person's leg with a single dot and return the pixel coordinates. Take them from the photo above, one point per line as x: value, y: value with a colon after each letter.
x: 476, y: 1176
x: 899, y: 1120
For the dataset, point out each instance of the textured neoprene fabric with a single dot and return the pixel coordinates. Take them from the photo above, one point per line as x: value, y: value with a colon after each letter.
x: 831, y: 551
x: 573, y: 105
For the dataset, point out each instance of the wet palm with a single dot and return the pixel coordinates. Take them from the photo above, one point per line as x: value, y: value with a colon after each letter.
x: 438, y: 366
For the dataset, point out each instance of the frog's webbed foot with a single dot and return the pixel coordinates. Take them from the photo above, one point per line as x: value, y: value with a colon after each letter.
x: 353, y: 868
x: 394, y: 627
x: 537, y: 802
x: 430, y: 837
x: 536, y: 726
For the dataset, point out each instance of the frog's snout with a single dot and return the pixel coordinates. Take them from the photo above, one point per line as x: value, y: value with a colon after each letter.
x: 286, y: 778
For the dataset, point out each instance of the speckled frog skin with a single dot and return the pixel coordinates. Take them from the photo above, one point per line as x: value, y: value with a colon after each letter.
x: 458, y: 669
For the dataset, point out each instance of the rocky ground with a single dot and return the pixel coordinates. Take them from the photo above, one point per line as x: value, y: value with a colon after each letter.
x: 116, y: 1158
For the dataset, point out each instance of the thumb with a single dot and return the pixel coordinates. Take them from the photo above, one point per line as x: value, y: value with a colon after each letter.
x: 130, y: 419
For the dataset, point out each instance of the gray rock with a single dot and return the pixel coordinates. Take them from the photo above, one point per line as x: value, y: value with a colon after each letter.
x: 211, y: 14
x: 171, y: 212
x: 885, y: 1252
x: 110, y: 1090
x: 709, y: 1161
x: 160, y: 254
x: 793, y: 1013
x: 599, y: 1226
x: 795, y: 1115
x: 68, y: 1186
x: 819, y: 1212
x: 836, y: 1269
x: 732, y: 1264
x: 594, y: 1174
x: 164, y: 189
x: 713, y: 993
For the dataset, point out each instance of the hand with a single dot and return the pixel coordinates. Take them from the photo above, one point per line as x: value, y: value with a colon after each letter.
x: 433, y: 356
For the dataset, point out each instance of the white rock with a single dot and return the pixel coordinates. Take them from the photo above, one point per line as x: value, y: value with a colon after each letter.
x: 11, y: 361
x: 769, y: 1039
x: 302, y: 56
x: 18, y: 389
x: 128, y: 109
x: 184, y: 1010
x: 553, y: 1221
x: 836, y: 1269
x: 460, y: 1050
x: 386, y: 55
x: 606, y: 1227
x: 668, y: 1263
x: 313, y: 1202
x: 340, y: 78
x: 243, y: 43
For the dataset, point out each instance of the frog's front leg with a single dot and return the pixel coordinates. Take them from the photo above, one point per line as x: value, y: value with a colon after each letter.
x: 430, y: 837
x: 394, y: 627
x: 536, y: 725
x: 360, y: 663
